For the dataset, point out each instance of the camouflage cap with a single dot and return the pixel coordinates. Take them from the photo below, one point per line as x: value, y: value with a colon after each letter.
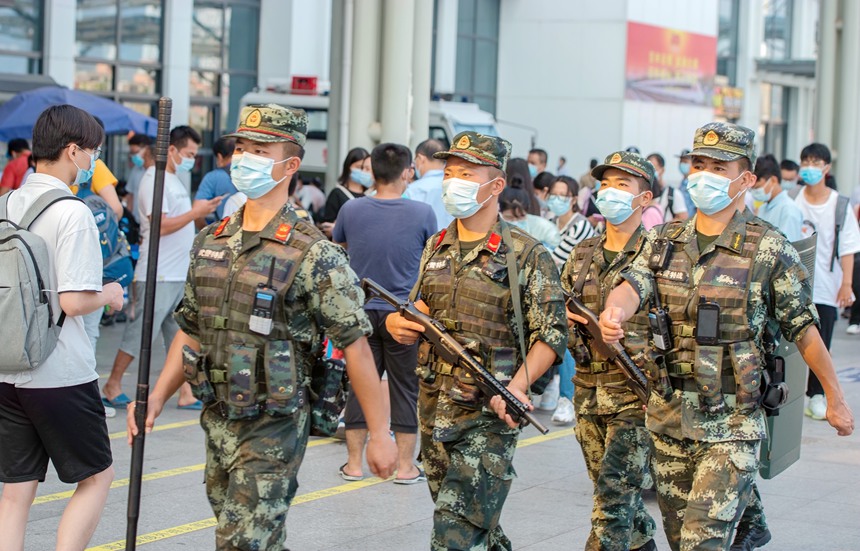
x: 632, y: 163
x: 272, y: 123
x: 725, y: 142
x: 479, y: 149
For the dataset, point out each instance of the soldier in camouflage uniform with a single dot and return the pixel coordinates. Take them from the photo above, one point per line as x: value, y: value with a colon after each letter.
x: 706, y: 422
x: 610, y: 419
x: 464, y: 281
x: 251, y: 369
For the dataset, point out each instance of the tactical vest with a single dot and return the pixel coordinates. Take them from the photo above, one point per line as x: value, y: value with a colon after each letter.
x: 592, y: 369
x: 250, y: 372
x: 733, y: 366
x: 475, y: 304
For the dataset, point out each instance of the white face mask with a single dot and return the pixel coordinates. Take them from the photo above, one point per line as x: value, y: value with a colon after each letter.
x: 252, y: 174
x: 460, y: 197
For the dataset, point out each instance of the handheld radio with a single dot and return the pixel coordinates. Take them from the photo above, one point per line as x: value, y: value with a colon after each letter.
x: 264, y: 306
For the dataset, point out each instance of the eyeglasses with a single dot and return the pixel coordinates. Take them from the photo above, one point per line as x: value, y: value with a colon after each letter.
x: 95, y: 155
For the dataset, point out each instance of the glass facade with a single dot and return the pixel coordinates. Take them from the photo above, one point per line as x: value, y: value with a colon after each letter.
x: 727, y: 40
x: 21, y: 27
x: 477, y: 52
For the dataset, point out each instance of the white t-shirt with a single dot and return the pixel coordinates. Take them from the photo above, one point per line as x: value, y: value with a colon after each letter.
x: 75, y: 258
x: 823, y: 219
x: 234, y: 203
x: 679, y: 206
x: 173, y: 249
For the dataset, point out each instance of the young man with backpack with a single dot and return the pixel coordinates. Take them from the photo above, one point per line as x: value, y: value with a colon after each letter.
x: 49, y: 396
x: 827, y: 212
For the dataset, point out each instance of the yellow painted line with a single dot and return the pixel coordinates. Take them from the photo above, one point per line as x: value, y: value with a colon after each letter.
x: 545, y: 437
x: 211, y: 522
x: 159, y: 475
x: 179, y: 425
x: 300, y: 499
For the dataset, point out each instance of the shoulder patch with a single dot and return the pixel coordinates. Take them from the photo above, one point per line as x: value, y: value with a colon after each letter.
x: 494, y: 241
x: 283, y: 232
x: 221, y: 226
x: 441, y: 237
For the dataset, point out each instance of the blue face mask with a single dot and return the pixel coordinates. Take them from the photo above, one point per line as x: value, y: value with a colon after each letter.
x: 615, y: 205
x: 710, y: 192
x: 811, y: 174
x: 533, y: 171
x: 460, y: 197
x: 364, y: 179
x: 596, y: 186
x: 559, y: 205
x: 137, y: 160
x: 759, y: 194
x: 684, y: 168
x: 185, y: 164
x: 788, y: 185
x: 84, y: 175
x: 252, y: 174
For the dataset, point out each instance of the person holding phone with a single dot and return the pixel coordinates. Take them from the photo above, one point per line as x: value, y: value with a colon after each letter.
x: 728, y: 279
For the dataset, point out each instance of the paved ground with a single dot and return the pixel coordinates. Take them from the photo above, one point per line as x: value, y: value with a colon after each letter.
x: 815, y: 504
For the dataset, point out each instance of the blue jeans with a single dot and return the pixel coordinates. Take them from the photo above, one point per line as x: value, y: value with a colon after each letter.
x: 565, y: 375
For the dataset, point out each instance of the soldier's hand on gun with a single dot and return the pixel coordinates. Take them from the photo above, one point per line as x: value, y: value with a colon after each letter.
x: 840, y: 417
x: 153, y: 410
x: 573, y: 318
x: 113, y: 293
x: 381, y: 455
x: 402, y: 330
x: 498, y: 405
x: 610, y: 324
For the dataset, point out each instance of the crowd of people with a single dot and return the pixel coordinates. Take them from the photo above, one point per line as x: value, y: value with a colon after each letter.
x: 259, y: 274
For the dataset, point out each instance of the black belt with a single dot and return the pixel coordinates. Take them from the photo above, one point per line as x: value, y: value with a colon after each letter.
x: 688, y: 384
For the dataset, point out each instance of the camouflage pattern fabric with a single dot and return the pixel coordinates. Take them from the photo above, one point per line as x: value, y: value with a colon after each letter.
x: 467, y: 449
x: 272, y: 123
x: 724, y: 141
x: 617, y: 455
x: 632, y: 163
x: 702, y: 489
x: 479, y: 149
x: 610, y: 422
x: 753, y: 515
x: 251, y: 470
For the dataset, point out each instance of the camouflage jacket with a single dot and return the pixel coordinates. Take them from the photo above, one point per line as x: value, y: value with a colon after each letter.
x: 604, y: 391
x: 779, y: 292
x: 471, y: 294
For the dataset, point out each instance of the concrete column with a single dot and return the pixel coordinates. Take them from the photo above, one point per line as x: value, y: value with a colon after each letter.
x: 847, y: 165
x: 276, y: 45
x: 398, y: 22
x: 750, y: 32
x: 364, y: 82
x: 422, y: 55
x: 177, y: 58
x: 446, y: 46
x: 825, y: 68
x: 59, y: 46
x: 340, y: 72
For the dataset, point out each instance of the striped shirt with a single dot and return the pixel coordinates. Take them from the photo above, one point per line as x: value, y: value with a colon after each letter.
x: 576, y: 229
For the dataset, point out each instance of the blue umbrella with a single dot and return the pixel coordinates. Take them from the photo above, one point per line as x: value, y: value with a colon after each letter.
x: 19, y: 114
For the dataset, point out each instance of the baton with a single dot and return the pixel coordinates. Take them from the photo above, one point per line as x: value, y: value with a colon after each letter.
x: 162, y: 142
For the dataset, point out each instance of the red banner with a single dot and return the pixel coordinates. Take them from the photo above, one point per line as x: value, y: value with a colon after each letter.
x: 670, y: 66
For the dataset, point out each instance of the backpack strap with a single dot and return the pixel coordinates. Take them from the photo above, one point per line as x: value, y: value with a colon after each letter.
x: 670, y: 200
x: 587, y: 256
x: 41, y: 205
x: 841, y: 209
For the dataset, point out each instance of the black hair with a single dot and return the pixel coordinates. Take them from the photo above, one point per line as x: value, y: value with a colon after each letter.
x: 428, y: 147
x: 17, y: 145
x: 592, y: 163
x: 540, y: 153
x: 61, y: 125
x: 292, y: 149
x: 388, y: 161
x: 767, y: 167
x: 572, y: 186
x: 140, y: 140
x: 515, y: 197
x: 180, y: 136
x: 517, y: 175
x: 745, y: 163
x: 543, y: 181
x: 224, y: 147
x: 788, y: 164
x: 815, y: 151
x: 100, y: 121
x: 354, y: 155
x: 660, y: 160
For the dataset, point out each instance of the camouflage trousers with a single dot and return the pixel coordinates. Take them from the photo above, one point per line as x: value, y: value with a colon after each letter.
x: 702, y: 489
x: 753, y: 516
x: 251, y: 470
x: 617, y: 452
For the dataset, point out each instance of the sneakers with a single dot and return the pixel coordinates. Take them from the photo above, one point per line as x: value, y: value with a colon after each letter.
x: 549, y: 398
x: 749, y: 538
x: 564, y: 412
x: 816, y: 407
x: 853, y: 329
x: 109, y: 412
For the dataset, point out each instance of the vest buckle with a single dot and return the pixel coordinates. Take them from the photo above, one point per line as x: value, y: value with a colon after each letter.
x: 451, y: 325
x: 599, y: 367
x: 219, y: 322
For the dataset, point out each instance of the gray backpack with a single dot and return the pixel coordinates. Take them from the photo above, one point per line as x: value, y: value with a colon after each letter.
x: 25, y: 305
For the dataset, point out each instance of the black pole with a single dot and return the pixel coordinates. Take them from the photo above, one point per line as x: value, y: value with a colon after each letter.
x: 162, y: 142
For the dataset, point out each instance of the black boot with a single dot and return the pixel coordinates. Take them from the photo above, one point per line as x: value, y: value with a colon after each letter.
x: 749, y: 538
x: 650, y: 546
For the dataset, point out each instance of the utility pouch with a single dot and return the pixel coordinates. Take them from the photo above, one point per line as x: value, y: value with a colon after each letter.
x: 774, y: 388
x: 707, y: 374
x: 192, y: 365
x: 424, y: 369
x: 465, y: 393
x: 328, y: 395
x: 658, y: 374
x: 242, y: 382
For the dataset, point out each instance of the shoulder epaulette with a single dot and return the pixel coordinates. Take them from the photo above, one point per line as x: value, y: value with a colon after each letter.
x: 283, y: 232
x: 221, y: 226
x: 441, y: 237
x: 493, y: 242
